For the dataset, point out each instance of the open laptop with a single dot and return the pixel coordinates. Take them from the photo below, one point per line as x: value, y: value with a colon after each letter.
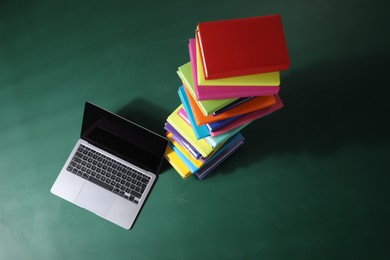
x: 112, y: 167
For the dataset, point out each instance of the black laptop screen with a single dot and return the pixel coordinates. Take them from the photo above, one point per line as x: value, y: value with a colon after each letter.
x: 123, y: 138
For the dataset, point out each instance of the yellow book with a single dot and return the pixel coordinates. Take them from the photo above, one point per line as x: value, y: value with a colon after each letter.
x: 263, y: 79
x: 201, y: 145
x: 176, y: 163
x: 185, y: 152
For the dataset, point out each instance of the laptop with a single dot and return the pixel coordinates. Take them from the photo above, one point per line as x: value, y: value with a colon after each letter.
x: 112, y: 167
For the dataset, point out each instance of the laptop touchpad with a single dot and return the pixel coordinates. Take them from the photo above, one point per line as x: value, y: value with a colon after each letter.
x: 95, y: 199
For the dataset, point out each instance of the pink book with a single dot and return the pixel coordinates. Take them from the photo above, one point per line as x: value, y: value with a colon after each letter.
x: 183, y: 115
x: 249, y: 117
x: 223, y: 92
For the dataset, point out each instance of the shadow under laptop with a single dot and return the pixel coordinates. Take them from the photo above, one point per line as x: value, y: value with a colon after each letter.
x: 327, y: 106
x: 148, y: 115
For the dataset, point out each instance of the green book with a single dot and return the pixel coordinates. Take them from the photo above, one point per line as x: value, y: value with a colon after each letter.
x: 206, y: 106
x: 184, y: 129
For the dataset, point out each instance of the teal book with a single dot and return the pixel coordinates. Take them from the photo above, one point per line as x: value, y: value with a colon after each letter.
x: 200, y: 131
x: 183, y: 158
x: 215, y: 141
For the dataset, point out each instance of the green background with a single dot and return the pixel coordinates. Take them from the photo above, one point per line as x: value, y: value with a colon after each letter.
x: 311, y: 182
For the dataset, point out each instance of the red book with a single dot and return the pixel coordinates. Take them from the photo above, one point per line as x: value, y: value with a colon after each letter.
x: 244, y: 46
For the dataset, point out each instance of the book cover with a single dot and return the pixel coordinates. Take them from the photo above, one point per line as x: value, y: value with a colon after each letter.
x: 267, y: 83
x: 176, y: 163
x: 231, y: 105
x: 189, y: 165
x: 265, y: 79
x: 249, y: 106
x: 202, y: 146
x: 228, y: 149
x: 242, y: 46
x: 184, y: 151
x: 248, y: 118
x: 186, y: 165
x: 200, y: 131
x: 217, y: 125
x: 217, y: 140
x: 206, y: 106
x: 180, y: 139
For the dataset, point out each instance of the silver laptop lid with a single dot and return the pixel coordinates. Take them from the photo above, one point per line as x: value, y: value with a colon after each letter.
x: 123, y: 138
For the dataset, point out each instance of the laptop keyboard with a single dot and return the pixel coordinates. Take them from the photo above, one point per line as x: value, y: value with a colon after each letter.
x: 108, y: 173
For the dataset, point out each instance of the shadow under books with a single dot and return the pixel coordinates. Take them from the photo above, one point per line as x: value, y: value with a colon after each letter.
x: 327, y: 105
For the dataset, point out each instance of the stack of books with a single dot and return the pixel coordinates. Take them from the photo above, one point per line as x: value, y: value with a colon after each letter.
x: 232, y: 79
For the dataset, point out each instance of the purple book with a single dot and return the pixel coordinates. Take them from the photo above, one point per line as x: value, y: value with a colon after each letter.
x: 221, y: 123
x: 181, y: 140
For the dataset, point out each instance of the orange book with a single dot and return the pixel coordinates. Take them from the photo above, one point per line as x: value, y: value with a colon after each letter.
x: 246, y: 107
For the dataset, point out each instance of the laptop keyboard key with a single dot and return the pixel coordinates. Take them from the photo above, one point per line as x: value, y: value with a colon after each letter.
x: 135, y: 194
x: 100, y: 183
x: 77, y: 160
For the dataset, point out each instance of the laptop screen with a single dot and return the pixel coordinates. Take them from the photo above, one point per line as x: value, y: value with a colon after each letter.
x: 123, y: 138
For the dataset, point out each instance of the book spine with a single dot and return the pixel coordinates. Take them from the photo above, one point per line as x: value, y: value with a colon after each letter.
x: 245, y: 72
x: 212, y: 93
x: 180, y: 139
x: 199, y: 42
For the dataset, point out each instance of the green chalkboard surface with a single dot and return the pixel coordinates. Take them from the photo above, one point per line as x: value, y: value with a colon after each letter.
x: 310, y: 182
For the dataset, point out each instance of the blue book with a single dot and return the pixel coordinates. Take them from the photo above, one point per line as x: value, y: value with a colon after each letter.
x: 216, y: 125
x: 231, y: 105
x: 199, y: 131
x: 224, y: 152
